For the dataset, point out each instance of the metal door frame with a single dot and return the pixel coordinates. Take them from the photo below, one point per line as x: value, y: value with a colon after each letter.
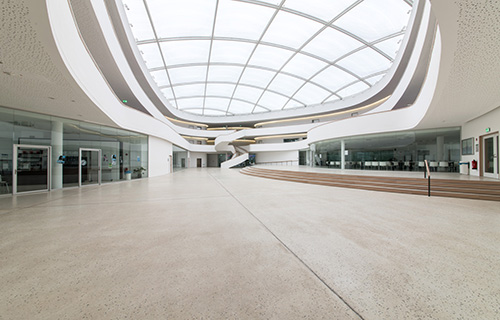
x: 99, y: 166
x: 495, y: 174
x: 14, y: 166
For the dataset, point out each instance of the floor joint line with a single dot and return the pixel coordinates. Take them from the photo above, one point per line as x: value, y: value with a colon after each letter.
x: 290, y: 250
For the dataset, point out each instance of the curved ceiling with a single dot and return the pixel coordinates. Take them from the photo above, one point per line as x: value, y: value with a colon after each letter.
x: 235, y: 57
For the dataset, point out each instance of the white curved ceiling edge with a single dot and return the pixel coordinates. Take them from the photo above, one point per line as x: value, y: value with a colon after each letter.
x: 273, y: 115
x: 83, y: 69
x: 388, y: 121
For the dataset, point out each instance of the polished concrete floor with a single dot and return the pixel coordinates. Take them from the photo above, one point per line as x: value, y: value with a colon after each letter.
x: 217, y: 244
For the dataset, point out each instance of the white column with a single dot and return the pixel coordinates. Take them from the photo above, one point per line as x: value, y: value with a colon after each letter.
x: 56, y: 138
x: 440, y: 149
x: 342, y: 154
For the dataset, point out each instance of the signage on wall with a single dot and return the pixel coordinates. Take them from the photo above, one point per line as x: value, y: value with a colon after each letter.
x: 61, y: 159
x: 488, y: 130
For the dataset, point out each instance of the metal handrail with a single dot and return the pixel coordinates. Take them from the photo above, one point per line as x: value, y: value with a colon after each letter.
x: 428, y: 173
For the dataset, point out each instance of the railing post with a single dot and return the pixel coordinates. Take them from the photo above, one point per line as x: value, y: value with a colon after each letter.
x: 429, y: 186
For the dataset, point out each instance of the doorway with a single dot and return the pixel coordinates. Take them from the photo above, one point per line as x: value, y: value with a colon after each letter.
x: 489, y: 163
x: 89, y: 169
x: 198, y: 162
x: 31, y: 168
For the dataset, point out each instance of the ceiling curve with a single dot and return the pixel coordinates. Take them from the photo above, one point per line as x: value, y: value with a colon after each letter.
x: 237, y: 57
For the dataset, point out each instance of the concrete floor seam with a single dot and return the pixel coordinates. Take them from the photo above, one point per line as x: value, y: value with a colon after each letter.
x: 292, y: 252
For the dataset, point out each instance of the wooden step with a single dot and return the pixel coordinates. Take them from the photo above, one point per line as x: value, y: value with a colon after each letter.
x: 480, y: 190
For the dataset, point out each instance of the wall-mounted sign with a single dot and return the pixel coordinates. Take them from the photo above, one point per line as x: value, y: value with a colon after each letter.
x: 488, y: 130
x: 61, y: 159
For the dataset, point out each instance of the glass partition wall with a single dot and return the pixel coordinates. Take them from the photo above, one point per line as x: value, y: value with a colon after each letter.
x: 65, y: 153
x: 404, y: 151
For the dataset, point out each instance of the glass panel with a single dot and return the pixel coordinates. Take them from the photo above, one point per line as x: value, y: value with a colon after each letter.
x: 332, y: 44
x: 365, y: 62
x: 291, y: 30
x: 151, y: 55
x: 6, y: 152
x: 138, y: 20
x: 171, y: 18
x: 231, y: 52
x: 375, y: 79
x: 273, y: 101
x: 239, y: 107
x: 333, y: 78
x: 323, y: 9
x: 224, y: 73
x: 248, y: 93
x: 390, y: 46
x: 32, y: 169
x: 190, y: 103
x: 188, y: 74
x: 292, y: 104
x: 311, y: 94
x: 241, y: 20
x: 217, y: 103
x: 286, y: 84
x: 210, y: 112
x: 185, y: 52
x: 220, y: 89
x: 353, y: 89
x: 160, y: 77
x: 489, y: 155
x: 190, y: 90
x: 167, y: 92
x: 90, y: 167
x: 371, y: 21
x: 270, y: 57
x: 304, y: 66
x: 256, y: 77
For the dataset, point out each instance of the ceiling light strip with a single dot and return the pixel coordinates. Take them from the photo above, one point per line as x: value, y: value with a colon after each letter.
x: 187, y: 122
x: 297, y: 135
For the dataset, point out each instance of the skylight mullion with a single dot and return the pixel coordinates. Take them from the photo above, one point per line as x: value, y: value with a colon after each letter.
x: 306, y: 43
x: 161, y: 51
x: 210, y: 51
x: 255, y: 48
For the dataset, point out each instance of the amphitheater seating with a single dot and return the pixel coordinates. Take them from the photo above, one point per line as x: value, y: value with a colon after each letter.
x: 480, y: 190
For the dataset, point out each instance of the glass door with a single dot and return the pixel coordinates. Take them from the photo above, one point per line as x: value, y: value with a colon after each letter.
x: 490, y: 159
x: 90, y: 167
x: 31, y: 168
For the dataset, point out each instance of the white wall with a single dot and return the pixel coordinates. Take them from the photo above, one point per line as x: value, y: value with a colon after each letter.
x: 159, y: 152
x: 275, y: 156
x: 195, y: 155
x: 477, y: 128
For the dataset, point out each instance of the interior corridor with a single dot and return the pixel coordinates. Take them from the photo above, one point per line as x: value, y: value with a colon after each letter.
x: 217, y: 244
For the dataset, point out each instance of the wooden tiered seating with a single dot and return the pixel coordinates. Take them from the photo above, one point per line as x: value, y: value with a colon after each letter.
x: 479, y: 190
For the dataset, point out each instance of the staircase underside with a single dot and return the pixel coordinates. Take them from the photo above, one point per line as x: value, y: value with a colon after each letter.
x: 479, y: 190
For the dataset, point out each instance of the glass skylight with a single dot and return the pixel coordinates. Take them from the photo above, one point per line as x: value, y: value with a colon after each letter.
x: 232, y: 57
